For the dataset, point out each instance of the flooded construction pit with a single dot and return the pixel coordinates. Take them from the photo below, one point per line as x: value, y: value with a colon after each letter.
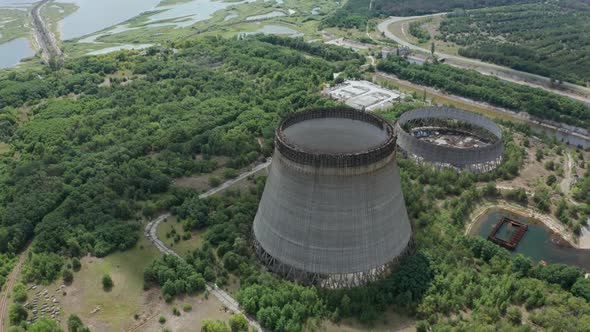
x: 335, y: 135
x: 538, y: 242
x: 451, y: 138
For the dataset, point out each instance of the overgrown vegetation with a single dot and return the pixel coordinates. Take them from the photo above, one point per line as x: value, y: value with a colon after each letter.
x: 356, y: 13
x: 549, y: 38
x: 94, y: 158
x: 97, y: 157
x: 471, y: 84
x: 419, y: 32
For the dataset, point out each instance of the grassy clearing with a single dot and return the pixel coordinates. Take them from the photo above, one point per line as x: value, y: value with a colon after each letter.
x: 116, y: 307
x: 183, y: 247
x: 401, y: 29
x: 116, y: 310
x: 4, y: 148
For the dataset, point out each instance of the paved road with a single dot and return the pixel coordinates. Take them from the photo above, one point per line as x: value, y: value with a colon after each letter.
x: 575, y: 92
x: 221, y: 295
x: 8, y: 289
x: 230, y: 183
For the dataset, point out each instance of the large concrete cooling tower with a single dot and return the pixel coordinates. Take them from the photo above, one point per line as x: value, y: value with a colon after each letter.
x: 332, y: 212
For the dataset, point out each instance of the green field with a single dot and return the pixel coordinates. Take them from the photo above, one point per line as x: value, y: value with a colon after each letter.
x: 182, y: 247
x: 116, y: 307
x: 4, y: 148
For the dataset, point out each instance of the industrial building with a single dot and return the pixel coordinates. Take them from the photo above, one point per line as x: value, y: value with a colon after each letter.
x: 332, y: 212
x: 450, y: 138
x: 364, y: 95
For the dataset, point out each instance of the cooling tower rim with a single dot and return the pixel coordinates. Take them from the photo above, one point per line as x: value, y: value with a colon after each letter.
x: 477, y: 159
x: 450, y: 114
x: 337, y: 160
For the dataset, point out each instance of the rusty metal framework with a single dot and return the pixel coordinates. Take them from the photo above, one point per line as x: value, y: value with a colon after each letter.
x: 476, y: 159
x: 332, y: 281
x: 342, y: 160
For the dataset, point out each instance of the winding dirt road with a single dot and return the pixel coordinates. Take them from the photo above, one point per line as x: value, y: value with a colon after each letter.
x: 221, y: 295
x: 573, y: 91
x: 8, y: 289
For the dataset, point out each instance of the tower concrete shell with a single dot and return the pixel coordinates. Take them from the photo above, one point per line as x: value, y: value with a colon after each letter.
x: 332, y: 212
x: 478, y: 159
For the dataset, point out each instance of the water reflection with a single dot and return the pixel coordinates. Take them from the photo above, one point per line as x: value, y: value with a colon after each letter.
x: 12, y: 52
x: 538, y: 242
x: 93, y: 15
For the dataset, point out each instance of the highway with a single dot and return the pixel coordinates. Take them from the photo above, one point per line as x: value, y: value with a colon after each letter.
x: 573, y: 91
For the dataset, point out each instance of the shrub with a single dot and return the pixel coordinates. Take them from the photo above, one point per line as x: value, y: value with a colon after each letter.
x: 107, y: 282
x: 214, y: 181
x: 238, y: 323
x: 514, y: 315
x: 162, y: 320
x: 19, y: 293
x: 187, y: 307
x: 68, y: 276
x: 230, y: 173
x: 76, y: 265
x: 214, y: 326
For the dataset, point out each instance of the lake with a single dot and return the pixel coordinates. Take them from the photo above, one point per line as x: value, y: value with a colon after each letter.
x: 13, y: 51
x: 539, y: 243
x: 93, y: 15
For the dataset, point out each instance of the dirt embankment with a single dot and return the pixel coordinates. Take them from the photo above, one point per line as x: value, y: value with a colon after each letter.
x: 45, y: 38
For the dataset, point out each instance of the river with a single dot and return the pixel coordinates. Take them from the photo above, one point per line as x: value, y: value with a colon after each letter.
x: 538, y: 242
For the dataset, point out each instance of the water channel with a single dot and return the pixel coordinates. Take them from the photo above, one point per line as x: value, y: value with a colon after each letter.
x: 539, y: 243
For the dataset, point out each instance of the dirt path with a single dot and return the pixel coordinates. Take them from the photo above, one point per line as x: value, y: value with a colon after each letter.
x: 221, y: 295
x: 573, y: 91
x: 8, y: 289
x: 567, y: 177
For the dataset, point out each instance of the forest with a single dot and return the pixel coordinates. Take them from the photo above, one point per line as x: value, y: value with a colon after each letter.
x: 550, y: 39
x: 452, y: 282
x: 356, y: 13
x: 106, y: 135
x: 471, y: 84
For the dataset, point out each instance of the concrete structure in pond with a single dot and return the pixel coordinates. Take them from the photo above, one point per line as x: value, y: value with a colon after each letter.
x: 450, y: 138
x: 332, y: 213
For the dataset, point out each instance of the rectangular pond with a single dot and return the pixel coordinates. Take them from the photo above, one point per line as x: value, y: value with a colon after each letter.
x: 539, y: 243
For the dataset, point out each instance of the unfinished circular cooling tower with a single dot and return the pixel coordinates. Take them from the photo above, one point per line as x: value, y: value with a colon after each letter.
x: 332, y: 212
x: 450, y: 138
